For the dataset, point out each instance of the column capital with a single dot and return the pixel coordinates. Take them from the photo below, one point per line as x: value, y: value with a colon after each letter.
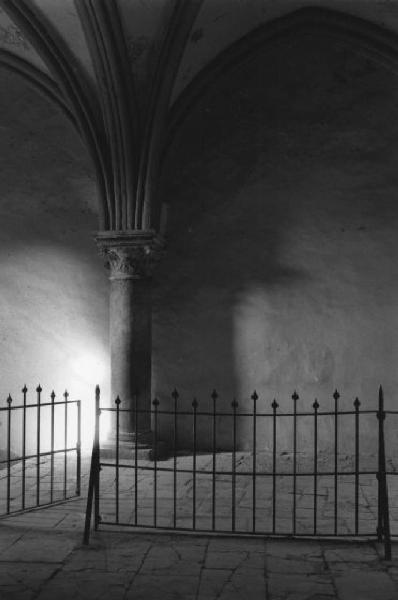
x: 130, y: 254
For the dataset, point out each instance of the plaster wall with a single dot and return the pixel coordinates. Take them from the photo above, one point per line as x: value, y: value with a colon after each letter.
x: 282, y: 262
x: 54, y: 289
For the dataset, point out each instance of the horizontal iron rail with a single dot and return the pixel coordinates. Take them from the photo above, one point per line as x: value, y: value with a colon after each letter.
x: 239, y: 532
x: 29, y: 456
x: 37, y: 506
x: 244, y: 473
x: 242, y: 414
x: 41, y: 404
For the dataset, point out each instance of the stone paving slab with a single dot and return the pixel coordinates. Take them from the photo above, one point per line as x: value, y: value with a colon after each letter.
x: 42, y: 558
x: 47, y: 562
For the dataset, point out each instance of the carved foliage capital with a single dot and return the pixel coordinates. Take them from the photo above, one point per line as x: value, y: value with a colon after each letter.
x: 130, y: 259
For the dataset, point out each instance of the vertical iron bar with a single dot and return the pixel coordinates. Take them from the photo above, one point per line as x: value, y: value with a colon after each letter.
x: 24, y: 391
x: 194, y: 406
x: 9, y: 402
x: 79, y: 448
x: 52, y: 448
x: 175, y: 442
x: 97, y: 459
x: 66, y: 444
x: 382, y: 478
x: 380, y: 416
x: 155, y: 458
x: 234, y: 407
x: 136, y: 460
x: 93, y: 477
x: 117, y: 402
x: 356, y: 404
x: 316, y: 406
x: 336, y: 397
x: 214, y: 397
x: 274, y: 407
x: 254, y: 398
x: 295, y: 397
x: 38, y: 390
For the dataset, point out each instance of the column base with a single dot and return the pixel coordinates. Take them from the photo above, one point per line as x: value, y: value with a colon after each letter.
x: 128, y: 446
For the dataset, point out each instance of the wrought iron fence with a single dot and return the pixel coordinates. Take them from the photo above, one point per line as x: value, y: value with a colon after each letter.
x: 36, y: 457
x: 146, y: 491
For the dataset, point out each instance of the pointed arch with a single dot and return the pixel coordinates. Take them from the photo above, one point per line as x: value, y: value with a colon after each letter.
x: 379, y: 42
x: 76, y: 91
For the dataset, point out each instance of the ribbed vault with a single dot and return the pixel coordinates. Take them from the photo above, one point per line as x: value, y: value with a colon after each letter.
x: 126, y: 73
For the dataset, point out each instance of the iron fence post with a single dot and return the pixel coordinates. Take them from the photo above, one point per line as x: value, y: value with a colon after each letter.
x: 136, y: 460
x: 274, y: 407
x: 97, y: 466
x: 234, y: 405
x: 175, y: 442
x: 24, y: 391
x: 336, y: 397
x: 94, y: 475
x: 38, y: 390
x: 383, y: 529
x: 66, y: 395
x: 79, y: 449
x: 194, y: 408
x: 315, y: 406
x: 356, y: 405
x: 52, y: 446
x: 9, y: 402
x: 117, y: 402
x: 295, y: 397
x: 214, y: 397
x: 254, y: 397
x: 155, y: 461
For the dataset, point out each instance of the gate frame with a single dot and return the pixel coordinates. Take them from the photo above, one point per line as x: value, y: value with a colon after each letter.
x: 382, y: 533
x: 38, y: 454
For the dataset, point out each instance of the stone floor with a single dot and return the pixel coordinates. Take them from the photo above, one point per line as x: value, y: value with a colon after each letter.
x: 193, y: 504
x: 42, y: 557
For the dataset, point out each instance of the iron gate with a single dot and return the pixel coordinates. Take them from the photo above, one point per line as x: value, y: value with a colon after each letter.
x: 203, y: 491
x: 42, y: 463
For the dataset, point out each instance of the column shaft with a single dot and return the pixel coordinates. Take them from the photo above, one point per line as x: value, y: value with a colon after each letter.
x: 131, y: 351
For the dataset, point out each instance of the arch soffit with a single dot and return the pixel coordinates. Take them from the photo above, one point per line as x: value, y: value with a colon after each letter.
x: 380, y: 43
x: 70, y: 89
x: 39, y: 80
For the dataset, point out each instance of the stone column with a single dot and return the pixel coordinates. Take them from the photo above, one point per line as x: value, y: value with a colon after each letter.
x: 130, y: 257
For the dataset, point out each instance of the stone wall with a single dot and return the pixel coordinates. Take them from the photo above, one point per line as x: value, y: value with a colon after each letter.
x: 54, y: 293
x: 282, y: 251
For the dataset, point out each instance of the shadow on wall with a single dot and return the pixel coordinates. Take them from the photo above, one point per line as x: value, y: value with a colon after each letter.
x: 54, y: 316
x: 282, y: 250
